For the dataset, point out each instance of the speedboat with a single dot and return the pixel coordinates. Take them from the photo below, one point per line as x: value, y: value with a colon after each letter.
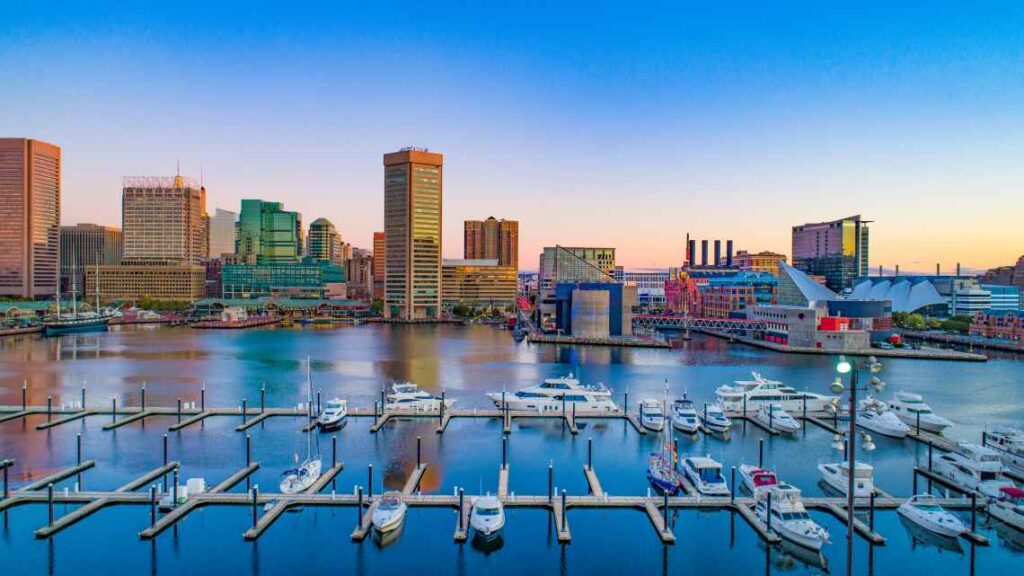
x: 1008, y: 507
x: 755, y: 477
x: 837, y: 476
x: 684, y: 416
x: 302, y: 477
x: 923, y: 510
x: 1009, y: 443
x: 908, y: 407
x: 920, y: 536
x: 389, y: 512
x: 714, y: 419
x: 335, y: 415
x: 973, y: 467
x: 487, y: 517
x: 789, y: 518
x: 876, y: 416
x: 408, y: 396
x: 775, y: 418
x: 705, y: 474
x: 548, y: 397
x: 761, y: 390
x: 652, y: 416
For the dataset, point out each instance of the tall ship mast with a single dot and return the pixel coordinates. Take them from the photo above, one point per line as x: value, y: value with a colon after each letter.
x: 78, y: 321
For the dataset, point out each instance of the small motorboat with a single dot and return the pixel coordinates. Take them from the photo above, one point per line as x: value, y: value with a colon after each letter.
x: 755, y: 477
x: 406, y: 396
x: 912, y: 409
x: 1009, y: 507
x: 487, y: 517
x: 923, y: 510
x: 706, y: 475
x: 922, y: 537
x: 335, y: 416
x: 714, y: 419
x: 684, y: 416
x: 789, y: 518
x: 389, y: 512
x: 875, y: 415
x: 774, y: 417
x: 652, y: 415
x: 837, y: 477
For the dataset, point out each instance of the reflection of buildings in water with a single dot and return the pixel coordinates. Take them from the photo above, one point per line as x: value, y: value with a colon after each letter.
x: 412, y: 356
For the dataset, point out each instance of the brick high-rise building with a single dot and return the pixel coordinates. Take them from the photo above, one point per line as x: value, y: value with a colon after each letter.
x: 412, y: 223
x: 29, y: 217
x: 492, y: 239
x: 162, y: 220
x: 379, y: 257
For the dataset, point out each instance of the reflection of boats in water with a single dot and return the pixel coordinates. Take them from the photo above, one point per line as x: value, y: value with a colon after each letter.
x: 1009, y: 536
x: 804, y: 555
x: 923, y: 537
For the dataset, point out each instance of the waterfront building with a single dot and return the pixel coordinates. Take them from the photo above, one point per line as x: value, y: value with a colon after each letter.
x: 379, y: 259
x: 650, y: 285
x: 492, y: 239
x: 324, y: 242
x: 561, y: 264
x: 837, y: 250
x: 268, y: 234
x: 84, y: 245
x: 938, y: 296
x: 222, y: 233
x: 1003, y: 297
x: 287, y: 307
x: 162, y: 219
x: 305, y: 278
x: 797, y: 289
x: 359, y: 275
x: 480, y: 283
x: 808, y: 327
x: 1006, y: 275
x: 30, y: 181
x: 133, y: 280
x: 728, y: 296
x: 412, y: 227
x: 759, y: 262
x: 594, y: 309
x: 999, y: 324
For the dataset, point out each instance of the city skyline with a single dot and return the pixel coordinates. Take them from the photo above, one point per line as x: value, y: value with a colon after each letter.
x: 624, y: 144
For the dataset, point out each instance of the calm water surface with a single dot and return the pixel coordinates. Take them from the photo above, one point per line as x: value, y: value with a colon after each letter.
x: 466, y: 362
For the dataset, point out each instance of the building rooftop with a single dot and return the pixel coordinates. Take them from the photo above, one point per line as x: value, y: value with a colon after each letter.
x: 907, y: 293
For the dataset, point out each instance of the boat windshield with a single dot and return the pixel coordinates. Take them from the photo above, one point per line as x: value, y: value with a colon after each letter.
x: 487, y: 511
x: 389, y: 503
x: 929, y: 507
x: 404, y: 388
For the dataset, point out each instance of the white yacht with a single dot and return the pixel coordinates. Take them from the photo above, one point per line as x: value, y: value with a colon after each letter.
x: 652, y: 416
x: 334, y: 416
x: 926, y: 513
x: 875, y: 415
x: 974, y: 467
x: 774, y: 417
x: 705, y: 474
x: 837, y: 476
x: 547, y: 397
x: 1009, y: 443
x: 487, y: 517
x: 761, y: 390
x: 789, y: 518
x: 755, y: 477
x: 389, y: 512
x: 684, y: 416
x: 714, y: 419
x: 301, y: 477
x: 907, y: 406
x: 1009, y: 507
x: 408, y: 396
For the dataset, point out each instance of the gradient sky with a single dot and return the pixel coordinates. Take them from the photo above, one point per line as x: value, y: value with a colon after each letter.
x: 625, y: 125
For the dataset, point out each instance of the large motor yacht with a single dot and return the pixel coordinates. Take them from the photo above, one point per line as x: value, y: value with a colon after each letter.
x: 548, y: 397
x: 837, y: 476
x: 705, y: 474
x: 761, y: 390
x: 912, y: 409
x: 1009, y: 443
x: 876, y: 416
x: 408, y: 396
x: 973, y: 467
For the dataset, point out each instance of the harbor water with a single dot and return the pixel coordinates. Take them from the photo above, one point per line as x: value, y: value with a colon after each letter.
x: 465, y: 362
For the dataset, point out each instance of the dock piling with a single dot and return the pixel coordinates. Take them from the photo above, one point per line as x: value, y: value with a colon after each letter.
x: 245, y: 409
x: 771, y: 416
x: 769, y: 515
x: 930, y: 455
x: 113, y: 410
x: 504, y: 452
x: 49, y: 500
x: 462, y: 499
x: 625, y: 401
x: 174, y: 490
x: 248, y: 450
x: 152, y: 506
x: 871, y: 511
x: 805, y: 406
x: 49, y: 408
x: 7, y: 489
x: 974, y: 510
x: 369, y: 481
x: 590, y: 452
x: 359, y: 524
x: 263, y: 398
x: 419, y: 442
x: 318, y: 402
x: 732, y: 483
x: 760, y: 453
x: 202, y: 398
x: 143, y: 397
x: 255, y: 507
x: 918, y: 417
x: 551, y: 481
x: 24, y: 397
x: 179, y: 410
x: 664, y: 512
x: 165, y: 458
x: 78, y: 455
x: 563, y: 508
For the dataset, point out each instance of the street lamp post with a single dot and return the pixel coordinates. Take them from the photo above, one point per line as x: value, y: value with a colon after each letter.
x: 847, y: 367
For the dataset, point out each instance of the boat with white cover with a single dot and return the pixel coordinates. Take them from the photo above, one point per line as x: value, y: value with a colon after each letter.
x: 761, y: 390
x: 705, y: 474
x: 924, y: 511
x: 714, y: 419
x: 684, y: 416
x: 837, y: 477
x: 875, y: 415
x: 548, y: 397
x: 973, y: 467
x: 1009, y: 507
x: 408, y: 396
x: 652, y: 416
x: 789, y: 517
x: 775, y: 418
x: 909, y: 407
x: 487, y: 517
x: 755, y: 477
x: 389, y: 512
x: 1009, y: 443
x: 334, y: 416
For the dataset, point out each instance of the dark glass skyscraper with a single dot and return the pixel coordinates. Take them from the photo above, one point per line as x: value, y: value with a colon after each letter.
x: 837, y: 250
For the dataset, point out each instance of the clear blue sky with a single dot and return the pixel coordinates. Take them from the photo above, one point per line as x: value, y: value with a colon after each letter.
x: 624, y: 125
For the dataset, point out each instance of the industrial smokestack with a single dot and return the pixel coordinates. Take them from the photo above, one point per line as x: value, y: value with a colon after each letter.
x: 728, y: 253
x: 957, y: 268
x: 718, y: 252
x: 938, y: 269
x: 703, y: 252
x: 897, y: 269
x: 688, y: 249
x: 692, y: 261
x: 879, y: 269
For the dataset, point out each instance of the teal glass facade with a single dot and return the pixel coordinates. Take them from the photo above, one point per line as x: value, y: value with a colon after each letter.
x: 307, y: 278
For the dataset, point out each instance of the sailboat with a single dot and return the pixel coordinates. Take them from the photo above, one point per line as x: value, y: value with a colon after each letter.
x: 302, y: 476
x: 661, y: 466
x: 94, y: 321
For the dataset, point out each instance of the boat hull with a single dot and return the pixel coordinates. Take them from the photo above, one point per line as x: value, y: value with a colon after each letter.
x: 59, y: 329
x: 332, y: 424
x: 384, y: 523
x: 927, y: 425
x: 548, y: 405
x: 925, y: 521
x: 684, y: 426
x: 884, y: 428
x: 1005, y: 513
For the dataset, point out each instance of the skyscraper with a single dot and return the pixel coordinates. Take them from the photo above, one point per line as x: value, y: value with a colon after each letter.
x: 412, y: 225
x: 162, y: 220
x: 29, y: 217
x: 325, y: 243
x: 222, y: 233
x: 492, y: 239
x: 268, y: 234
x: 379, y: 251
x: 84, y: 245
x: 837, y: 250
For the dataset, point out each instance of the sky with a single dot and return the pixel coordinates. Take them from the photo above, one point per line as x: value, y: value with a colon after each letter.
x: 620, y: 124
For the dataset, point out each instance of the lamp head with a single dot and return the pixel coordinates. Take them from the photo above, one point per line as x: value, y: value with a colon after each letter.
x: 844, y: 366
x: 837, y: 385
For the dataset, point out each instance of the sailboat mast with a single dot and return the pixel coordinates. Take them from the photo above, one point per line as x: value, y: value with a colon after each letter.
x: 74, y: 287
x: 309, y: 399
x: 97, y: 283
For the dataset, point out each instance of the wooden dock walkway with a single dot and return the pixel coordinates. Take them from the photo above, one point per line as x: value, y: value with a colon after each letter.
x: 414, y: 480
x: 635, y: 421
x: 658, y: 522
x: 503, y: 482
x: 21, y: 414
x: 57, y: 477
x: 747, y: 514
x: 561, y: 527
x: 444, y: 422
x: 820, y: 423
x: 380, y: 422
x: 129, y: 419
x: 64, y: 419
x: 462, y: 523
x: 363, y: 530
x: 594, y: 485
x: 229, y: 482
x: 861, y: 528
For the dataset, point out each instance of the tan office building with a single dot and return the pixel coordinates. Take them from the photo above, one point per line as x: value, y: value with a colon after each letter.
x: 478, y: 283
x: 134, y: 280
x: 492, y: 239
x: 412, y: 226
x: 29, y: 217
x: 379, y: 253
x: 162, y: 219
